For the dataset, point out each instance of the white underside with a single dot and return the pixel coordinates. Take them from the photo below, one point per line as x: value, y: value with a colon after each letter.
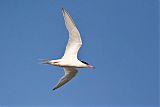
x: 68, y: 63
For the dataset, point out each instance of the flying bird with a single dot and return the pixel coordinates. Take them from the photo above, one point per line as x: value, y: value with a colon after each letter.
x: 69, y: 61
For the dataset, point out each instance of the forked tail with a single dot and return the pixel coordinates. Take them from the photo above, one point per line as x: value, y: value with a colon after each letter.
x: 45, y: 61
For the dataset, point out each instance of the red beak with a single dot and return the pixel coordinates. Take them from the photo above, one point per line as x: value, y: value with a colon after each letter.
x: 90, y: 66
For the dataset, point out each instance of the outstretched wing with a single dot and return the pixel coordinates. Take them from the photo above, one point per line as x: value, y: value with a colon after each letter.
x: 74, y: 41
x: 70, y: 72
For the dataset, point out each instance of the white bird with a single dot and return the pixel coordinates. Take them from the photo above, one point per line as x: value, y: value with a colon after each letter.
x: 69, y: 61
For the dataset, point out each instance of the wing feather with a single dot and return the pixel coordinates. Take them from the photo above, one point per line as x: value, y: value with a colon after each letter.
x: 74, y: 41
x: 70, y: 72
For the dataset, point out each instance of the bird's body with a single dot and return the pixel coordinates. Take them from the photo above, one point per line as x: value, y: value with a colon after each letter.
x: 69, y: 61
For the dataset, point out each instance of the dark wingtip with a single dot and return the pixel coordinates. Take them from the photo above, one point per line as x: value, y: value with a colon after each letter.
x: 63, y: 10
x: 54, y: 88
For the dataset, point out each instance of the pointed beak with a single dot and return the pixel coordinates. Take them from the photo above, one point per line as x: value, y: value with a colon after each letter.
x: 90, y: 66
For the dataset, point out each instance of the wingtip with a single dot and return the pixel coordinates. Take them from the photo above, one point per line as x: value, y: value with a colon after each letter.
x: 54, y: 88
x: 63, y: 9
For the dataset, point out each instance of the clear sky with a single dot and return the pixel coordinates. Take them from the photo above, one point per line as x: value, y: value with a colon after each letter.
x: 120, y: 38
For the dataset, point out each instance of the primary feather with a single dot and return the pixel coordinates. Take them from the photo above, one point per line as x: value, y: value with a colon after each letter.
x: 74, y: 41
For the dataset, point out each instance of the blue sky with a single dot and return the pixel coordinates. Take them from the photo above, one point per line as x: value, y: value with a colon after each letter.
x: 120, y: 38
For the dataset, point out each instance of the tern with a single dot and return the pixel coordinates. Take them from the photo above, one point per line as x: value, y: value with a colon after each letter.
x: 69, y: 61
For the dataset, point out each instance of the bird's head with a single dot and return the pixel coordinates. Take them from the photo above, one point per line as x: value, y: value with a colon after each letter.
x: 87, y: 64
